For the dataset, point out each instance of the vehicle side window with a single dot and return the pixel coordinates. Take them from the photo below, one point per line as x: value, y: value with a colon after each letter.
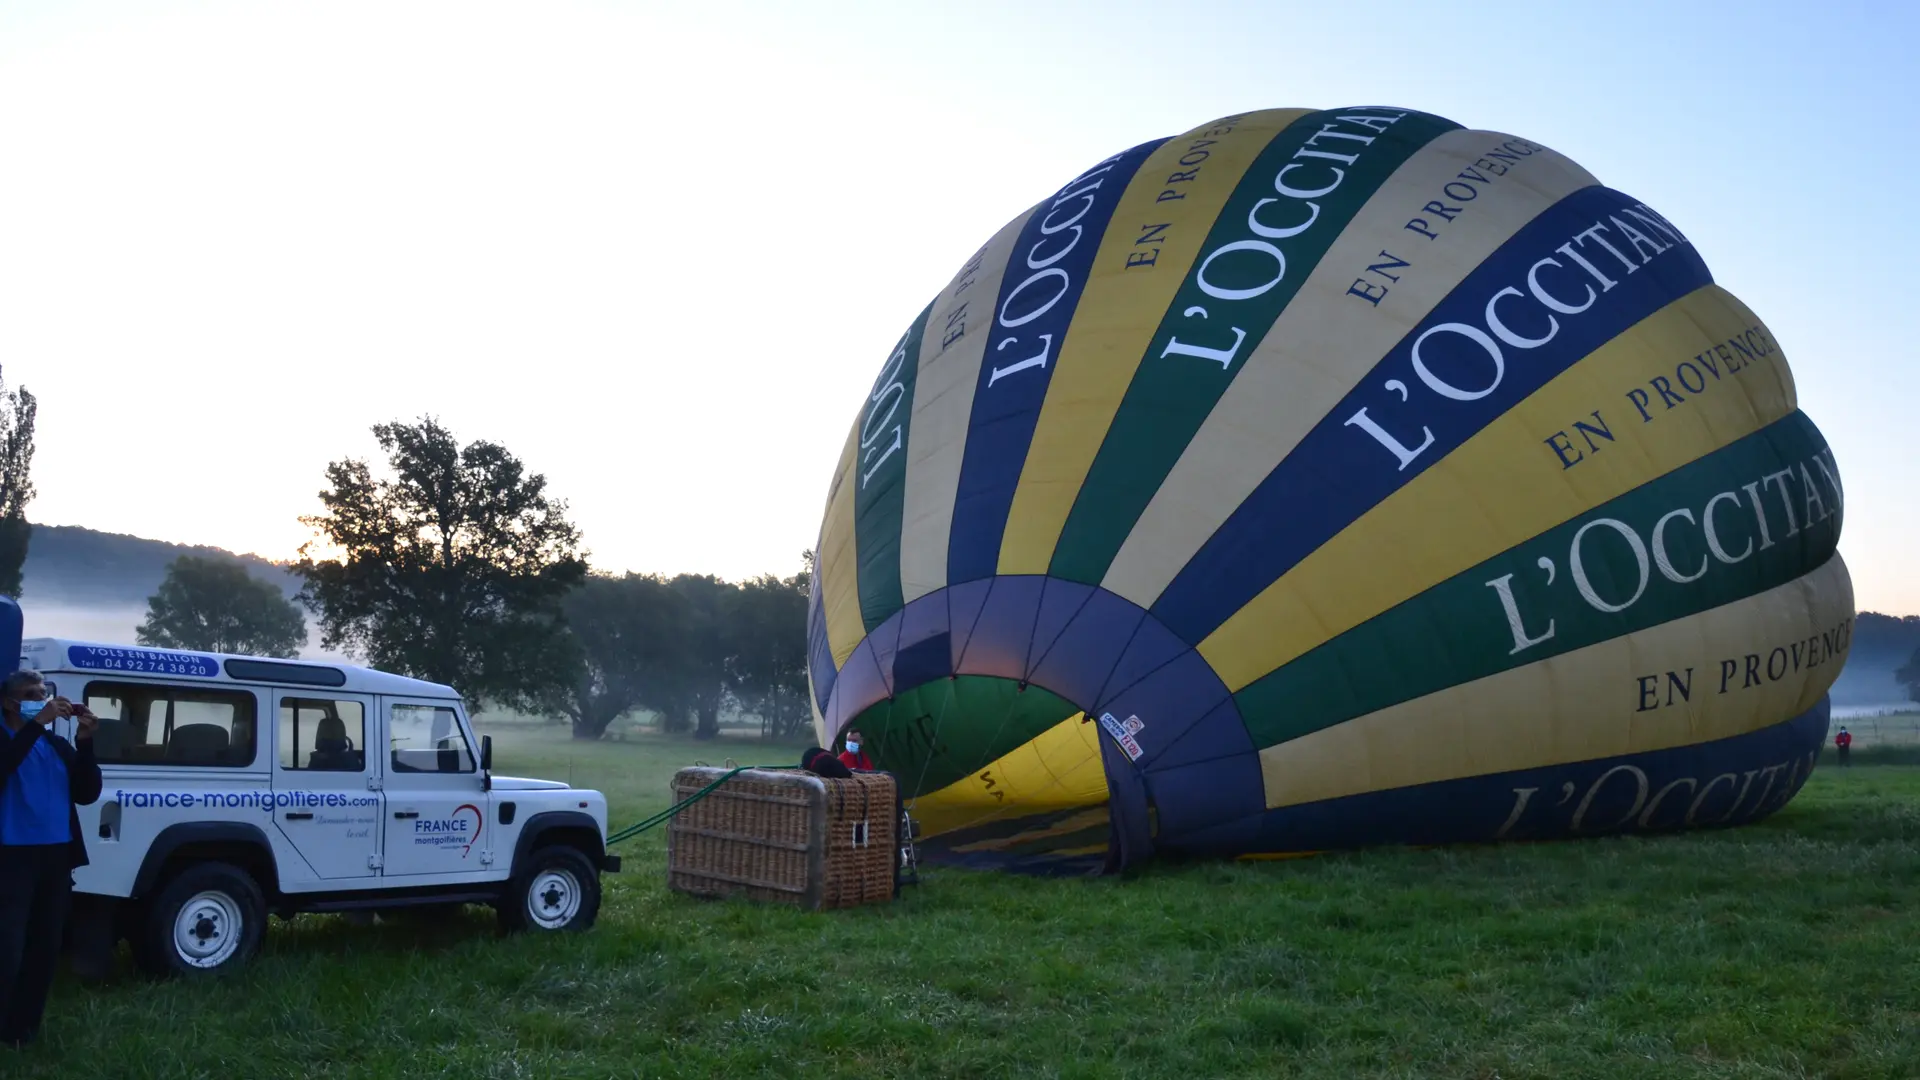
x: 427, y: 739
x: 152, y: 724
x: 323, y: 735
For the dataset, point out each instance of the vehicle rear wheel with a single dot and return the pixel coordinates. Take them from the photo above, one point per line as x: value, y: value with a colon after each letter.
x: 208, y: 918
x: 557, y: 889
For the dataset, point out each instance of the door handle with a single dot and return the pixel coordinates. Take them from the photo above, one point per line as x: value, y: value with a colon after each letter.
x: 299, y: 815
x: 406, y: 813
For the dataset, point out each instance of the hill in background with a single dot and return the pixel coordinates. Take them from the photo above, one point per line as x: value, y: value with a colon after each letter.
x: 1881, y: 644
x: 94, y: 585
x: 67, y: 564
x: 82, y: 583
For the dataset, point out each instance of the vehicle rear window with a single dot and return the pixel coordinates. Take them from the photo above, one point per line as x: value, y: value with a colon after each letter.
x: 156, y: 724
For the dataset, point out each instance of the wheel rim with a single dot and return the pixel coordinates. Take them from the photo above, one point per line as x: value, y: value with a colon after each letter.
x: 208, y: 929
x: 553, y: 899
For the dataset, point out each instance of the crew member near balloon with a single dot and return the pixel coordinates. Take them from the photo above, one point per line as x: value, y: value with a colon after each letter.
x: 42, y: 779
x: 1843, y: 742
x: 853, y: 757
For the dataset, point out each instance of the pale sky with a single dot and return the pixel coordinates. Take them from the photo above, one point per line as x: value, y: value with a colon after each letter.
x: 659, y: 251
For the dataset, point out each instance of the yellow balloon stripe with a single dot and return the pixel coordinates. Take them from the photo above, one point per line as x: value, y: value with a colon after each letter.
x: 1327, y: 339
x: 838, y: 561
x: 1528, y: 471
x: 956, y: 340
x: 1724, y: 672
x: 1135, y: 274
x: 1058, y: 770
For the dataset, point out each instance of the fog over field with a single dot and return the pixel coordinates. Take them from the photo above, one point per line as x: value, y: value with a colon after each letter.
x: 114, y: 625
x: 53, y: 618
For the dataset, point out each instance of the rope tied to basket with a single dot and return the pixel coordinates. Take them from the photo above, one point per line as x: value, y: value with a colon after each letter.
x: 670, y: 812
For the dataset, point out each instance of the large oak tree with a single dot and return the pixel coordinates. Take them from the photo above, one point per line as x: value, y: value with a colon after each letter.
x: 451, y: 567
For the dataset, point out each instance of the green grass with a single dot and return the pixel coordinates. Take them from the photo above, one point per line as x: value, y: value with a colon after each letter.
x: 1787, y: 949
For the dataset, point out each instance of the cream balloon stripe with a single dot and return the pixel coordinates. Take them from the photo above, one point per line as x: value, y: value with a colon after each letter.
x: 1043, y: 283
x: 1327, y: 340
x: 879, y: 483
x: 1584, y: 438
x: 942, y: 405
x: 1157, y: 230
x: 1555, y: 292
x: 841, y: 597
x: 1704, y: 535
x: 1302, y: 192
x: 1600, y: 701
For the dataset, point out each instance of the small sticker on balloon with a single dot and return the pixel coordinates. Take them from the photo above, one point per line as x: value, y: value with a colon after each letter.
x: 1123, y: 732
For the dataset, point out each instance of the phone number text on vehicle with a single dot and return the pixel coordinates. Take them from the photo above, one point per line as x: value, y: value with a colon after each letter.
x: 141, y: 660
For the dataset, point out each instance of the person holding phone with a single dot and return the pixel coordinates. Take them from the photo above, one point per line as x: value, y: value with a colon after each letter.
x: 43, y: 779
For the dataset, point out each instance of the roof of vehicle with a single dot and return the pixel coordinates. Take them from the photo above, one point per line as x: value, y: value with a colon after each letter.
x: 94, y: 658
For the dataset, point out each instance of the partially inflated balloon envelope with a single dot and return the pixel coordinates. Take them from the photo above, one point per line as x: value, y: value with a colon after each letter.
x: 1317, y: 479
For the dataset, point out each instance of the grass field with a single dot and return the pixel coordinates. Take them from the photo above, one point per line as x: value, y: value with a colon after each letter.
x: 1786, y: 949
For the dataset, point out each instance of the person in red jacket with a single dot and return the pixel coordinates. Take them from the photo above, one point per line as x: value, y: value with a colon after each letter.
x: 853, y: 757
x: 1843, y: 742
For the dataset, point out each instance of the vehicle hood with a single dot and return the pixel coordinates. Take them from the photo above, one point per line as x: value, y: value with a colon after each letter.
x: 523, y: 783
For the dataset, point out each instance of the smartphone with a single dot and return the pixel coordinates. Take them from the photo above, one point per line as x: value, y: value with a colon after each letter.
x: 66, y: 727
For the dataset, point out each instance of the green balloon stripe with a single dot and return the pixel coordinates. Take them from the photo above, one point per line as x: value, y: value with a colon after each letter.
x: 880, y: 477
x: 1226, y: 306
x: 940, y: 732
x: 1751, y: 516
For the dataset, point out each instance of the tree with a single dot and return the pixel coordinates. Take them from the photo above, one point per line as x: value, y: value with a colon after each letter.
x: 631, y: 635
x: 700, y: 686
x: 214, y: 605
x: 1909, y: 676
x: 767, y: 665
x: 17, y: 411
x: 451, y: 569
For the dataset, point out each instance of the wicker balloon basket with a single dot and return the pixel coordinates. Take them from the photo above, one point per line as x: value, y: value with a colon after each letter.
x: 785, y: 836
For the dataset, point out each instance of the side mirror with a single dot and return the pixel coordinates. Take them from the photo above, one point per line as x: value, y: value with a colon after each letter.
x: 486, y: 763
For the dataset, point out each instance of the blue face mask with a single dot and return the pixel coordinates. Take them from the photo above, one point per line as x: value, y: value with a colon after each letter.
x: 31, y: 709
x: 853, y: 747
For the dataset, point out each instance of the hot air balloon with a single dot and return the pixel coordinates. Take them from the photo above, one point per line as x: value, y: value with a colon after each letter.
x: 1320, y: 479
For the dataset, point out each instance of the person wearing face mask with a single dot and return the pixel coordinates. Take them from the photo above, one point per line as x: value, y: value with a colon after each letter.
x: 853, y: 757
x: 42, y: 779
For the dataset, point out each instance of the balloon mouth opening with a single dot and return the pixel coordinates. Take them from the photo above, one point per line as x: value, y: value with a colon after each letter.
x: 993, y: 768
x: 941, y: 732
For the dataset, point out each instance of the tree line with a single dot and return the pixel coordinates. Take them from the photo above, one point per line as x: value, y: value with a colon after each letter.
x: 456, y: 565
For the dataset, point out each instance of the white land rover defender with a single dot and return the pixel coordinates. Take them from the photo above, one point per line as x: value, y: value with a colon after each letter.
x: 240, y: 786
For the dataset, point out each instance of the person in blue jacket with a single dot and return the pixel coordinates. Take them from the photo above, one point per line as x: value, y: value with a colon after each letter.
x: 43, y: 778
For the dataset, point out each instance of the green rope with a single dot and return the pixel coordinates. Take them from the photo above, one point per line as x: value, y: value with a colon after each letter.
x: 667, y: 815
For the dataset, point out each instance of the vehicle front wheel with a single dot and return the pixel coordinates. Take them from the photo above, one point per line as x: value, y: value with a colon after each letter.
x: 208, y: 918
x: 557, y: 889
